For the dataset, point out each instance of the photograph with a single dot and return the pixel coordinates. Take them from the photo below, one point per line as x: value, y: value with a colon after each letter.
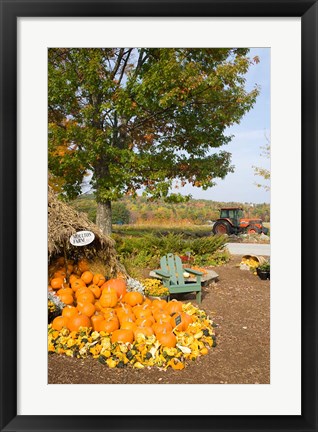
x: 158, y: 201
x: 159, y: 215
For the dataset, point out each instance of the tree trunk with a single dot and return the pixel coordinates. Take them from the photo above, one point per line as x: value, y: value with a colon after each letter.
x: 104, y: 217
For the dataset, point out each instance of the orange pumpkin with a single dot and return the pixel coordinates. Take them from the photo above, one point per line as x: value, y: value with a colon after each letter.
x: 147, y: 331
x: 142, y: 313
x: 133, y: 298
x: 86, y: 297
x: 77, y: 321
x: 87, y: 277
x: 65, y: 291
x: 70, y: 268
x: 82, y: 290
x: 57, y: 282
x: 67, y: 299
x: 184, y: 319
x: 147, y: 302
x: 96, y: 320
x: 60, y: 322
x: 173, y: 306
x: 78, y: 283
x: 87, y: 309
x: 161, y: 327
x: 108, y: 325
x: 167, y: 339
x: 119, y: 285
x: 161, y: 316
x: 60, y: 260
x: 60, y: 274
x: 145, y: 322
x: 108, y: 298
x: 123, y: 308
x: 95, y: 290
x: 98, y: 306
x: 83, y: 265
x: 73, y: 277
x: 159, y: 304
x: 69, y: 311
x: 98, y: 279
x: 122, y: 335
x: 128, y: 325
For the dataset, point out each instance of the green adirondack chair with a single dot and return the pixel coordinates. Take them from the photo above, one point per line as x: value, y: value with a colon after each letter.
x: 171, y: 271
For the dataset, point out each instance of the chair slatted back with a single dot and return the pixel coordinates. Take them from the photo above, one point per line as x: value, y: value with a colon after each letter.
x: 172, y: 264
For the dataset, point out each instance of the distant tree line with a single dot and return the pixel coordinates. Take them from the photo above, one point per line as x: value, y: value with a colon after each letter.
x: 140, y: 211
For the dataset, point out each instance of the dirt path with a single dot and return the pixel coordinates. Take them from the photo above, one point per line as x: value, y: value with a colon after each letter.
x: 239, y: 303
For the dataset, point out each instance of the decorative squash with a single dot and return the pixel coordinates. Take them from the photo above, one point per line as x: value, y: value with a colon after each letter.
x: 77, y: 321
x: 133, y: 298
x: 122, y: 335
x: 118, y: 284
x: 108, y: 298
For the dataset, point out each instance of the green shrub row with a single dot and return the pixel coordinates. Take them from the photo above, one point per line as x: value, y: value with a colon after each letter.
x: 138, y: 253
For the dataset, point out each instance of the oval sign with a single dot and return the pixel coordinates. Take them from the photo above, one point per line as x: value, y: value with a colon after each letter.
x: 82, y: 238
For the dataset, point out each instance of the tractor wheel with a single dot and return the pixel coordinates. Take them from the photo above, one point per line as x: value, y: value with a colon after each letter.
x: 221, y: 227
x: 253, y: 229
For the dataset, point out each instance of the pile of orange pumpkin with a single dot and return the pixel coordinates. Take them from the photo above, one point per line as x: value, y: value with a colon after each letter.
x: 95, y: 305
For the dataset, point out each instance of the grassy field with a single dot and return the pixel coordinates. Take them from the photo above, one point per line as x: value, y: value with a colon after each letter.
x: 186, y: 230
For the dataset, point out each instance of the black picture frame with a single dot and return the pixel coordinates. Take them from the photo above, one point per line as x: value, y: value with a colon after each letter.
x: 10, y: 11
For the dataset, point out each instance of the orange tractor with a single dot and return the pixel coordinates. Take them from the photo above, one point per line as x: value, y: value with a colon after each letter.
x: 232, y: 221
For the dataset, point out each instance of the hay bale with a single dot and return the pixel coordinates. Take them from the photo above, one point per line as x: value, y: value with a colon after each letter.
x: 63, y: 222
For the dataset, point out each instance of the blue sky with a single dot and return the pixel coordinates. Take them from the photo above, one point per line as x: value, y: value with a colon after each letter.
x: 245, y: 147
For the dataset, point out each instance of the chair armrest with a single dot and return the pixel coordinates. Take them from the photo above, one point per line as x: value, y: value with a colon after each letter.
x: 195, y: 272
x: 162, y: 274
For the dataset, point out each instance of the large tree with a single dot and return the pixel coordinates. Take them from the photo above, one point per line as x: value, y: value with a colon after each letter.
x: 264, y: 172
x: 142, y: 118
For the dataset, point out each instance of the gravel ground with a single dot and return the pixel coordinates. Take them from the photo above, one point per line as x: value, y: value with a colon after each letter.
x: 239, y: 302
